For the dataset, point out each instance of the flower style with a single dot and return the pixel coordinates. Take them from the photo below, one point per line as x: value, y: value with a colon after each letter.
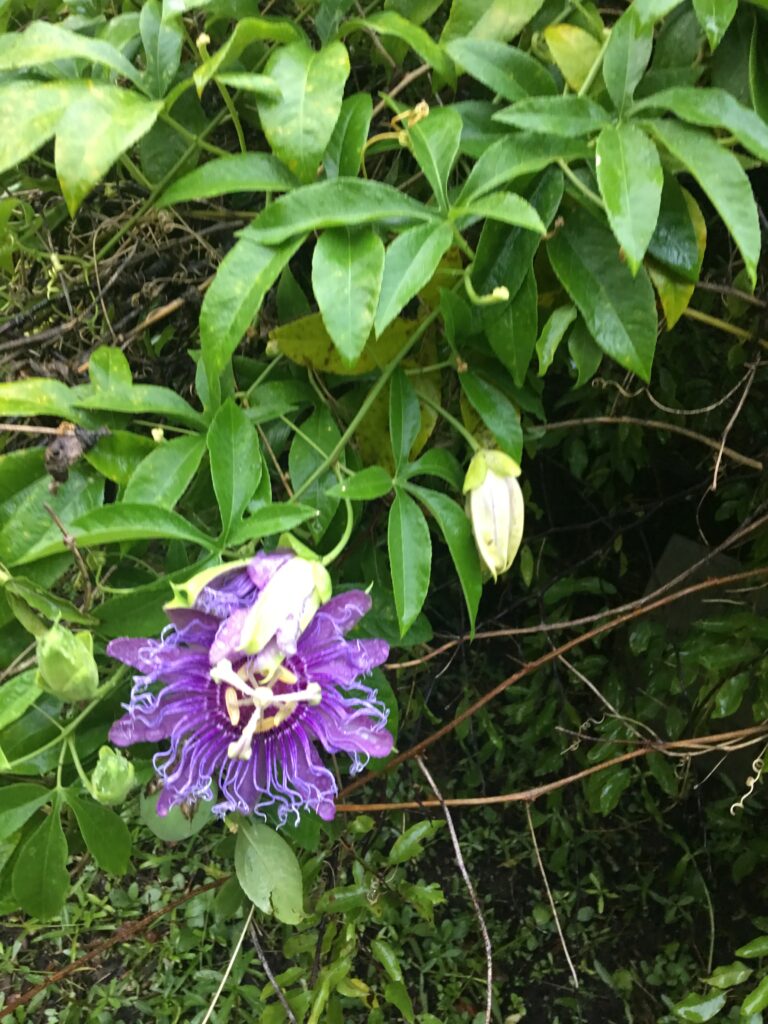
x: 254, y: 670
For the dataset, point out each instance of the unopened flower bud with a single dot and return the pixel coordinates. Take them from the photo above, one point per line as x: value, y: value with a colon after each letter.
x: 65, y: 664
x: 286, y: 606
x: 495, y: 507
x: 113, y: 777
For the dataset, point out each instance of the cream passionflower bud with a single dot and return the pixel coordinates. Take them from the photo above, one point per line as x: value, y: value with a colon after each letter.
x: 495, y: 507
x: 113, y: 777
x: 286, y: 606
x: 65, y: 664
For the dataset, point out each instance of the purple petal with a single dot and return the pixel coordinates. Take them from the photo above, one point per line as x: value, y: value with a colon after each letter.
x: 263, y: 566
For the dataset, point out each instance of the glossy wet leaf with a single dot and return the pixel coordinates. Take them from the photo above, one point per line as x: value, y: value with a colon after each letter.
x: 409, y: 263
x: 630, y: 178
x: 756, y: 948
x: 271, y: 520
x: 370, y: 483
x: 506, y: 70
x: 714, y: 17
x: 435, y: 144
x: 105, y: 833
x: 299, y: 125
x: 410, y: 558
x: 626, y: 57
x: 699, y: 1009
x: 489, y: 19
x: 233, y: 447
x: 121, y: 522
x: 722, y: 178
x: 517, y: 155
x: 567, y: 116
x: 619, y: 309
x: 512, y: 336
x: 29, y: 114
x: 343, y: 155
x: 394, y: 25
x: 552, y: 334
x: 241, y: 172
x: 756, y: 1001
x: 18, y: 802
x: 30, y: 535
x: 306, y: 342
x: 347, y: 270
x: 268, y: 871
x: 729, y: 976
x: 496, y: 411
x: 675, y: 242
x: 163, y: 476
x: 404, y: 416
x: 42, y: 43
x: 40, y: 880
x: 162, y: 41
x: 309, y: 450
x: 506, y: 207
x: 342, y: 202
x: 246, y: 32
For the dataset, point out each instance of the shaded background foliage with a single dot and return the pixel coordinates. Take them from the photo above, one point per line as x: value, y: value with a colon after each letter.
x: 603, y: 168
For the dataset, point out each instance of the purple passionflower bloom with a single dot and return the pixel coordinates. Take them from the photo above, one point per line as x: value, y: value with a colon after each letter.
x: 249, y: 718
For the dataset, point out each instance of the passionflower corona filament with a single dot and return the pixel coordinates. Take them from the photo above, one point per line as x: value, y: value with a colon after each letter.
x: 252, y: 673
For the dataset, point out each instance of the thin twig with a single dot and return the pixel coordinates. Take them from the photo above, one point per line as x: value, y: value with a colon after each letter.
x: 672, y: 428
x: 684, y: 748
x: 404, y: 82
x: 550, y: 897
x: 268, y: 971
x: 228, y: 968
x: 470, y: 889
x: 545, y: 659
x: 70, y: 543
x: 732, y: 420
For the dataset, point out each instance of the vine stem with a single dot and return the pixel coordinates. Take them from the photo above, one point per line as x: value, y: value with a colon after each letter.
x: 450, y: 418
x: 596, y: 65
x: 545, y: 659
x: 362, y: 412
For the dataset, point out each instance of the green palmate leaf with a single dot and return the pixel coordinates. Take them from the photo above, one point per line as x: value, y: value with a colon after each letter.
x: 754, y: 948
x: 722, y: 178
x: 568, y: 116
x: 410, y: 557
x: 141, y: 398
x: 515, y: 155
x: 268, y: 871
x: 714, y: 17
x: 435, y: 144
x: 674, y: 241
x: 675, y: 294
x: 299, y: 125
x: 699, y: 1009
x: 729, y: 975
x: 42, y: 43
x: 36, y: 396
x: 310, y: 449
x: 30, y: 534
x: 49, y: 605
x: 504, y: 254
x: 247, y: 31
x: 505, y: 70
x: 496, y: 411
x: 370, y: 483
x: 117, y: 455
x: 390, y: 23
x: 437, y: 462
x: 16, y: 695
x: 248, y: 81
x: 29, y: 113
x: 630, y: 178
x: 626, y: 57
x: 162, y: 41
x: 18, y: 802
x: 404, y: 417
x: 489, y: 19
x: 619, y: 309
x: 411, y: 843
x: 105, y: 833
x: 552, y: 334
x: 343, y: 202
x: 713, y: 108
x: 455, y: 528
x: 513, y: 335
x: 242, y: 172
x: 235, y: 296
x: 115, y: 523
x: 40, y: 880
x: 573, y: 50
x: 755, y: 1002
x: 163, y: 476
x: 410, y: 262
x: 506, y: 207
x: 270, y: 520
x: 345, y: 149
x: 233, y: 446
x: 93, y: 133
x: 347, y: 269
x: 649, y: 11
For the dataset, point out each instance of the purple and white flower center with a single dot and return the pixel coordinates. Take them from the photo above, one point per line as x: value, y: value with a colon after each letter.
x: 242, y: 690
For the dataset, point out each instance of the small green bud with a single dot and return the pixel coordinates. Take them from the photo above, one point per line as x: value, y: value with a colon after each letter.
x: 113, y: 777
x: 66, y: 667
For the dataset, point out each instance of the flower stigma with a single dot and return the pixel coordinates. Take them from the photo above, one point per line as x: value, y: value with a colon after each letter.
x: 259, y: 697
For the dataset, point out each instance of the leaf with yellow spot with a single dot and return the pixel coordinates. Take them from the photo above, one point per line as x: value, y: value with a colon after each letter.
x: 573, y: 50
x: 674, y: 293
